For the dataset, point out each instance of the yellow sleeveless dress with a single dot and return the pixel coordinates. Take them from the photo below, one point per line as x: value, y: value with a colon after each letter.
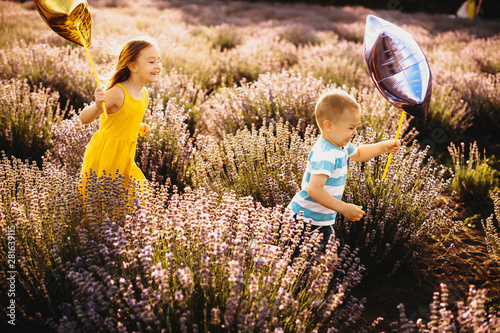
x: 112, y: 147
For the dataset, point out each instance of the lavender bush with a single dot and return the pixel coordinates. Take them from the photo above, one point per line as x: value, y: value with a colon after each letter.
x: 164, y: 155
x: 480, y: 92
x: 399, y: 209
x: 485, y: 59
x: 70, y: 141
x: 353, y: 32
x: 27, y: 114
x: 287, y: 95
x: 179, y: 87
x: 469, y: 316
x: 62, y: 69
x: 191, y: 264
x: 267, y: 164
x: 483, y: 96
x: 262, y: 52
x: 25, y: 25
x: 335, y: 61
x: 492, y: 234
x: 221, y: 58
x: 298, y: 34
x: 226, y: 37
x: 474, y: 177
x: 40, y: 208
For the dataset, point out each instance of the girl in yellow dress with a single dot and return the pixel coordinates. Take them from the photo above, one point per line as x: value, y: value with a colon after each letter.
x: 112, y: 148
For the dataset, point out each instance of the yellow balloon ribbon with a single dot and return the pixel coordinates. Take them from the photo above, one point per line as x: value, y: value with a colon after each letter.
x: 104, y: 111
x: 70, y: 19
x: 397, y: 136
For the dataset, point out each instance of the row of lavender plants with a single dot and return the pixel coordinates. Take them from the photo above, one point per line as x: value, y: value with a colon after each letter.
x: 168, y: 261
x: 469, y: 315
x: 465, y: 68
x: 459, y: 106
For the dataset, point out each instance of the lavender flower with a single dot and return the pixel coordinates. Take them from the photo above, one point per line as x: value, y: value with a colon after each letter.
x: 492, y: 236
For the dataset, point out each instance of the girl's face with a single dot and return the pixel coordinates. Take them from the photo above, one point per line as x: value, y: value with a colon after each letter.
x: 340, y: 132
x: 147, y: 66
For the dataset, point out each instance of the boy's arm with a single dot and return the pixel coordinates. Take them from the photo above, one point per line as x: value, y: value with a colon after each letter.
x: 367, y: 152
x: 321, y: 196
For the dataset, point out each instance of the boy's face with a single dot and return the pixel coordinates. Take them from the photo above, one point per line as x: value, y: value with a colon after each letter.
x: 341, y: 131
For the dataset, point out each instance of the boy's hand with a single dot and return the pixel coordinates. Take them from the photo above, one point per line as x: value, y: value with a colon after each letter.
x: 353, y: 212
x: 392, y: 146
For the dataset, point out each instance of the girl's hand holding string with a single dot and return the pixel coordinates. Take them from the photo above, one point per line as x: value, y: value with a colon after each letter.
x: 100, y: 98
x: 91, y: 112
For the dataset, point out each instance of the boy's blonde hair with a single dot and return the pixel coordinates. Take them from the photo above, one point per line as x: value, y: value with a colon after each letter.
x: 332, y: 105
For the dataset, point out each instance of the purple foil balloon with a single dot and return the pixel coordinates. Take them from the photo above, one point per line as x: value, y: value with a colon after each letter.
x: 398, y: 66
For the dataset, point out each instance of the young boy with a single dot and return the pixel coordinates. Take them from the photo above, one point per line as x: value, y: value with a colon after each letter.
x: 337, y: 115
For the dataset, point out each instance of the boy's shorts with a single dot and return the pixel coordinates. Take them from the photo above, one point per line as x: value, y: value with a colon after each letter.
x: 326, y: 230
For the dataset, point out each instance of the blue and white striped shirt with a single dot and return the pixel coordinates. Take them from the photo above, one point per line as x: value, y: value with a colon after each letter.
x: 324, y: 159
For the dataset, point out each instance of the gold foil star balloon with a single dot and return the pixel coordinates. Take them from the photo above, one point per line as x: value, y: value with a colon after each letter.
x: 69, y: 19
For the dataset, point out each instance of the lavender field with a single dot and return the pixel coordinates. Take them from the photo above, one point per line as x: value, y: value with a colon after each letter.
x: 207, y: 245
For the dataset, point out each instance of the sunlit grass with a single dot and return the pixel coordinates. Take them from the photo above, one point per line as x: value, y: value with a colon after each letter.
x: 474, y: 176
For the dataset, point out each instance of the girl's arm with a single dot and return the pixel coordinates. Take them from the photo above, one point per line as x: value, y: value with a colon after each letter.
x: 113, y: 98
x: 367, y: 152
x: 316, y: 191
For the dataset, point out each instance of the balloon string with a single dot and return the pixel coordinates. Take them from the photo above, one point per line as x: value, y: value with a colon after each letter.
x: 397, y: 136
x: 93, y: 69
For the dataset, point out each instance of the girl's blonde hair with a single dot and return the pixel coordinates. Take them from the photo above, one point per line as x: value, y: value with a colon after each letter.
x: 332, y: 105
x: 129, y: 53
